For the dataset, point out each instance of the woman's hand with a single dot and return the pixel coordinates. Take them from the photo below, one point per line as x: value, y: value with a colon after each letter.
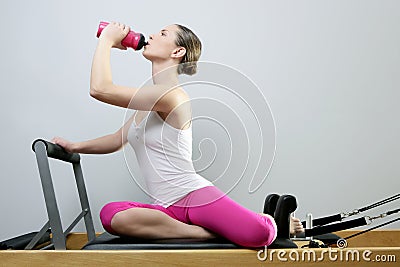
x: 114, y: 33
x: 67, y: 145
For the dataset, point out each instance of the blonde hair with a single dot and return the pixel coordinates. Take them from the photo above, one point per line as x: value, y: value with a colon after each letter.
x: 187, y: 39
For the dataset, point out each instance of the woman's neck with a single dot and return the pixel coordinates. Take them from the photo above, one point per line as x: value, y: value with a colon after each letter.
x: 165, y: 73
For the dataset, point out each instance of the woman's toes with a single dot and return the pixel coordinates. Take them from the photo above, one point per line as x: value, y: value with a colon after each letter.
x: 299, y: 229
x: 295, y: 226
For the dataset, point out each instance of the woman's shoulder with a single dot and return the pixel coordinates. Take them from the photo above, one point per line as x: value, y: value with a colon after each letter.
x: 179, y: 115
x: 178, y: 96
x: 182, y: 95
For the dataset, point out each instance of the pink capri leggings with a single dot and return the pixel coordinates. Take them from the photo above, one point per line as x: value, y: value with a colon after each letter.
x: 211, y: 209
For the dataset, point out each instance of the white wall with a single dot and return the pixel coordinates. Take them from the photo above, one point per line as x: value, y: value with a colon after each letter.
x: 328, y: 69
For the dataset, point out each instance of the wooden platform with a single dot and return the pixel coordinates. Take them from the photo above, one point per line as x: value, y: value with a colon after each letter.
x: 377, y: 248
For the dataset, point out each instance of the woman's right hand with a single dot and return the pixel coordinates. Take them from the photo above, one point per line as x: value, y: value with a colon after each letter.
x: 67, y: 145
x: 115, y: 32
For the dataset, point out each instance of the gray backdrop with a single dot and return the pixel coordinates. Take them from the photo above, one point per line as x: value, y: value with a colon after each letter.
x: 328, y: 69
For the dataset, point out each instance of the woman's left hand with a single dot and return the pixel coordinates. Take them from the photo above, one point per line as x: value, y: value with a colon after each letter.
x: 115, y: 32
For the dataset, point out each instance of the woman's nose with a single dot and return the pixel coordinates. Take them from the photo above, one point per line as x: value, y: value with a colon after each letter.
x: 151, y: 36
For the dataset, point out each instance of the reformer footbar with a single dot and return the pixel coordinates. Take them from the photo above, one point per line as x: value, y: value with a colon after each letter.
x: 43, y: 150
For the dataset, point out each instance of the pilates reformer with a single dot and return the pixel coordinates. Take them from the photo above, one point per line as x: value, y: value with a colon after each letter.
x: 106, y: 249
x: 280, y: 207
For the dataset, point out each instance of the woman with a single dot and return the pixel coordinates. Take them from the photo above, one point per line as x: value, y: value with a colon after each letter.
x: 186, y: 205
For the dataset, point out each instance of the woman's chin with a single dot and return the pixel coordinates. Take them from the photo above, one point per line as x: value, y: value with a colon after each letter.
x: 152, y: 57
x: 146, y: 55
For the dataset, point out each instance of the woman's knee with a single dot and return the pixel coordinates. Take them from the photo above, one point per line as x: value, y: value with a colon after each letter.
x: 108, y: 213
x: 261, y: 233
x: 265, y: 233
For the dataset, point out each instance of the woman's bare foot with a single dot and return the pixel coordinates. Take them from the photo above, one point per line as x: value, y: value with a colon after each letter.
x: 296, y: 226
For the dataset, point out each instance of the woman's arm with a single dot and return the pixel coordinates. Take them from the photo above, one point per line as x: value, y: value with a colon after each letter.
x: 162, y: 98
x: 102, y: 145
x: 101, y: 77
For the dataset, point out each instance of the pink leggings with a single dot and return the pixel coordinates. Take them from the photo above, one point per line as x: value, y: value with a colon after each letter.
x: 211, y: 209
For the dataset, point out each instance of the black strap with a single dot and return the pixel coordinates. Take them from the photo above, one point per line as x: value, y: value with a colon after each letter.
x: 392, y: 212
x: 336, y: 227
x: 379, y: 203
x: 325, y: 220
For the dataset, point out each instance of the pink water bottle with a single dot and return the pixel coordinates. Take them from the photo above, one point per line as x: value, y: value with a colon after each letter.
x: 134, y: 40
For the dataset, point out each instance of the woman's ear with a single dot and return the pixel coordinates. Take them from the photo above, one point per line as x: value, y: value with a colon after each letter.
x: 179, y: 52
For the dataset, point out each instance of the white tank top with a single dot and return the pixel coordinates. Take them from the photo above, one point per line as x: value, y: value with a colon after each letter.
x: 164, y: 154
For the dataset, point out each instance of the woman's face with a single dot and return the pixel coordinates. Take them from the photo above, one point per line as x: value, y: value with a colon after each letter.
x: 162, y: 44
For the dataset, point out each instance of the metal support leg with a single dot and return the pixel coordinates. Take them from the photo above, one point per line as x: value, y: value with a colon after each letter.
x: 80, y: 184
x: 58, y: 237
